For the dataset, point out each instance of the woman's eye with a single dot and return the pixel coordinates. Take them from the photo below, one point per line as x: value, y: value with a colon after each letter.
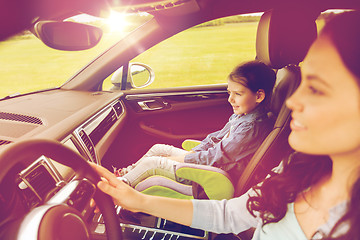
x: 238, y: 94
x: 314, y: 91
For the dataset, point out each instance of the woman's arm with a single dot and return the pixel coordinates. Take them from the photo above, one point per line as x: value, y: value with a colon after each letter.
x: 176, y: 210
x: 226, y: 216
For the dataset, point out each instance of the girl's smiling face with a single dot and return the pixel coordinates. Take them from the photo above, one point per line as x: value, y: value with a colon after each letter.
x: 326, y: 106
x: 242, y: 99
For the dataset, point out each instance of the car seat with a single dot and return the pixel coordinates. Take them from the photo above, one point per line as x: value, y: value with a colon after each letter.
x: 282, y: 42
x: 283, y: 39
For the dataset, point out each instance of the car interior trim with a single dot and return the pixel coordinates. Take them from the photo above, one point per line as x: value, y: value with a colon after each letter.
x: 40, y: 177
x: 150, y: 95
x: 96, y: 127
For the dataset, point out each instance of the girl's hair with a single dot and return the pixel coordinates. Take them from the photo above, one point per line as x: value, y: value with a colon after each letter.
x: 255, y: 75
x: 302, y: 171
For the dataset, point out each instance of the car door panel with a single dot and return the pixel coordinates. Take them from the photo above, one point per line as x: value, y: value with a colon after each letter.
x: 167, y: 118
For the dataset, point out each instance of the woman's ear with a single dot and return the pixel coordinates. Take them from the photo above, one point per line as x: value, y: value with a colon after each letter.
x: 260, y: 96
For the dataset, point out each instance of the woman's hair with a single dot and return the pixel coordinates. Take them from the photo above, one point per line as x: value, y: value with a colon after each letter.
x: 345, y: 36
x: 302, y: 171
x: 255, y: 75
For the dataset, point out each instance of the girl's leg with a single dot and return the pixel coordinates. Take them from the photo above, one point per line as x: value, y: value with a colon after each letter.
x: 164, y: 150
x: 158, y: 150
x: 150, y: 166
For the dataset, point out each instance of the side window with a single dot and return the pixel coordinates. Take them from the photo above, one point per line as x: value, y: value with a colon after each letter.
x: 204, y: 54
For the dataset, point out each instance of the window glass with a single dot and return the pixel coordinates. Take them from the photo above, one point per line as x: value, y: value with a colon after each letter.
x: 202, y: 55
x: 205, y: 54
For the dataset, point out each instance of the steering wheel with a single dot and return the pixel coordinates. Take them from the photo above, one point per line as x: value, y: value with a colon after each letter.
x: 59, y: 216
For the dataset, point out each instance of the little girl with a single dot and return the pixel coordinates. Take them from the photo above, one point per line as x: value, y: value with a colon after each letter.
x: 250, y: 87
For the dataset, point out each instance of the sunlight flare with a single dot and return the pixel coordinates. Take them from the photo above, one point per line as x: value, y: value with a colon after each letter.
x: 116, y: 22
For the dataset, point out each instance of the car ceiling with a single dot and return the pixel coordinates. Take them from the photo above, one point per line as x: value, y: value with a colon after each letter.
x: 20, y: 14
x: 61, y: 9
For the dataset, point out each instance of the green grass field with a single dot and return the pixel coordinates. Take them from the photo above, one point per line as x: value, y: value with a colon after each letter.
x: 201, y: 55
x: 197, y: 56
x: 26, y: 64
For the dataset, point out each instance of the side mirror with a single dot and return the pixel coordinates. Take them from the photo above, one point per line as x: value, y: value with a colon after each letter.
x: 67, y: 36
x: 139, y: 76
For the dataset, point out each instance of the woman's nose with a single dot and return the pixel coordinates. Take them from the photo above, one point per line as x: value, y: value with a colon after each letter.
x: 293, y: 102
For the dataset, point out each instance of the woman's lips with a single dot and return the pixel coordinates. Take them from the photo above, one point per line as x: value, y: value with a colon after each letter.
x: 296, y: 125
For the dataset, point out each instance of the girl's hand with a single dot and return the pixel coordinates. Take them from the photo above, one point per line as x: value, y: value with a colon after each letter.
x: 122, y: 194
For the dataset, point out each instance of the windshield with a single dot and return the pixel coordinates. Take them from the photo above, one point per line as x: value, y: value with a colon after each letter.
x: 27, y: 64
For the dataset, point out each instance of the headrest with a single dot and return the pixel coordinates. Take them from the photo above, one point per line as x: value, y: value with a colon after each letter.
x: 287, y: 81
x: 284, y: 37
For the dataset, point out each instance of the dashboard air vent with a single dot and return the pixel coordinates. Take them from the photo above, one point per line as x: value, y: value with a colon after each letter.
x: 20, y: 118
x: 37, y: 181
x: 88, y: 144
x: 103, y: 127
x: 41, y: 181
x: 4, y: 142
x: 118, y: 109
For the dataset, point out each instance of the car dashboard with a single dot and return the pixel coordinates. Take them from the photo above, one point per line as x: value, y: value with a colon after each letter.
x: 66, y: 116
x: 62, y: 116
x: 38, y: 181
x: 86, y: 122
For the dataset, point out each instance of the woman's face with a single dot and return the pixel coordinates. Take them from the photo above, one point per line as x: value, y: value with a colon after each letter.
x: 242, y: 99
x: 326, y: 106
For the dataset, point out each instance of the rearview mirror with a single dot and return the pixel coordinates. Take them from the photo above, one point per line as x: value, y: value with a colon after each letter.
x: 67, y: 36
